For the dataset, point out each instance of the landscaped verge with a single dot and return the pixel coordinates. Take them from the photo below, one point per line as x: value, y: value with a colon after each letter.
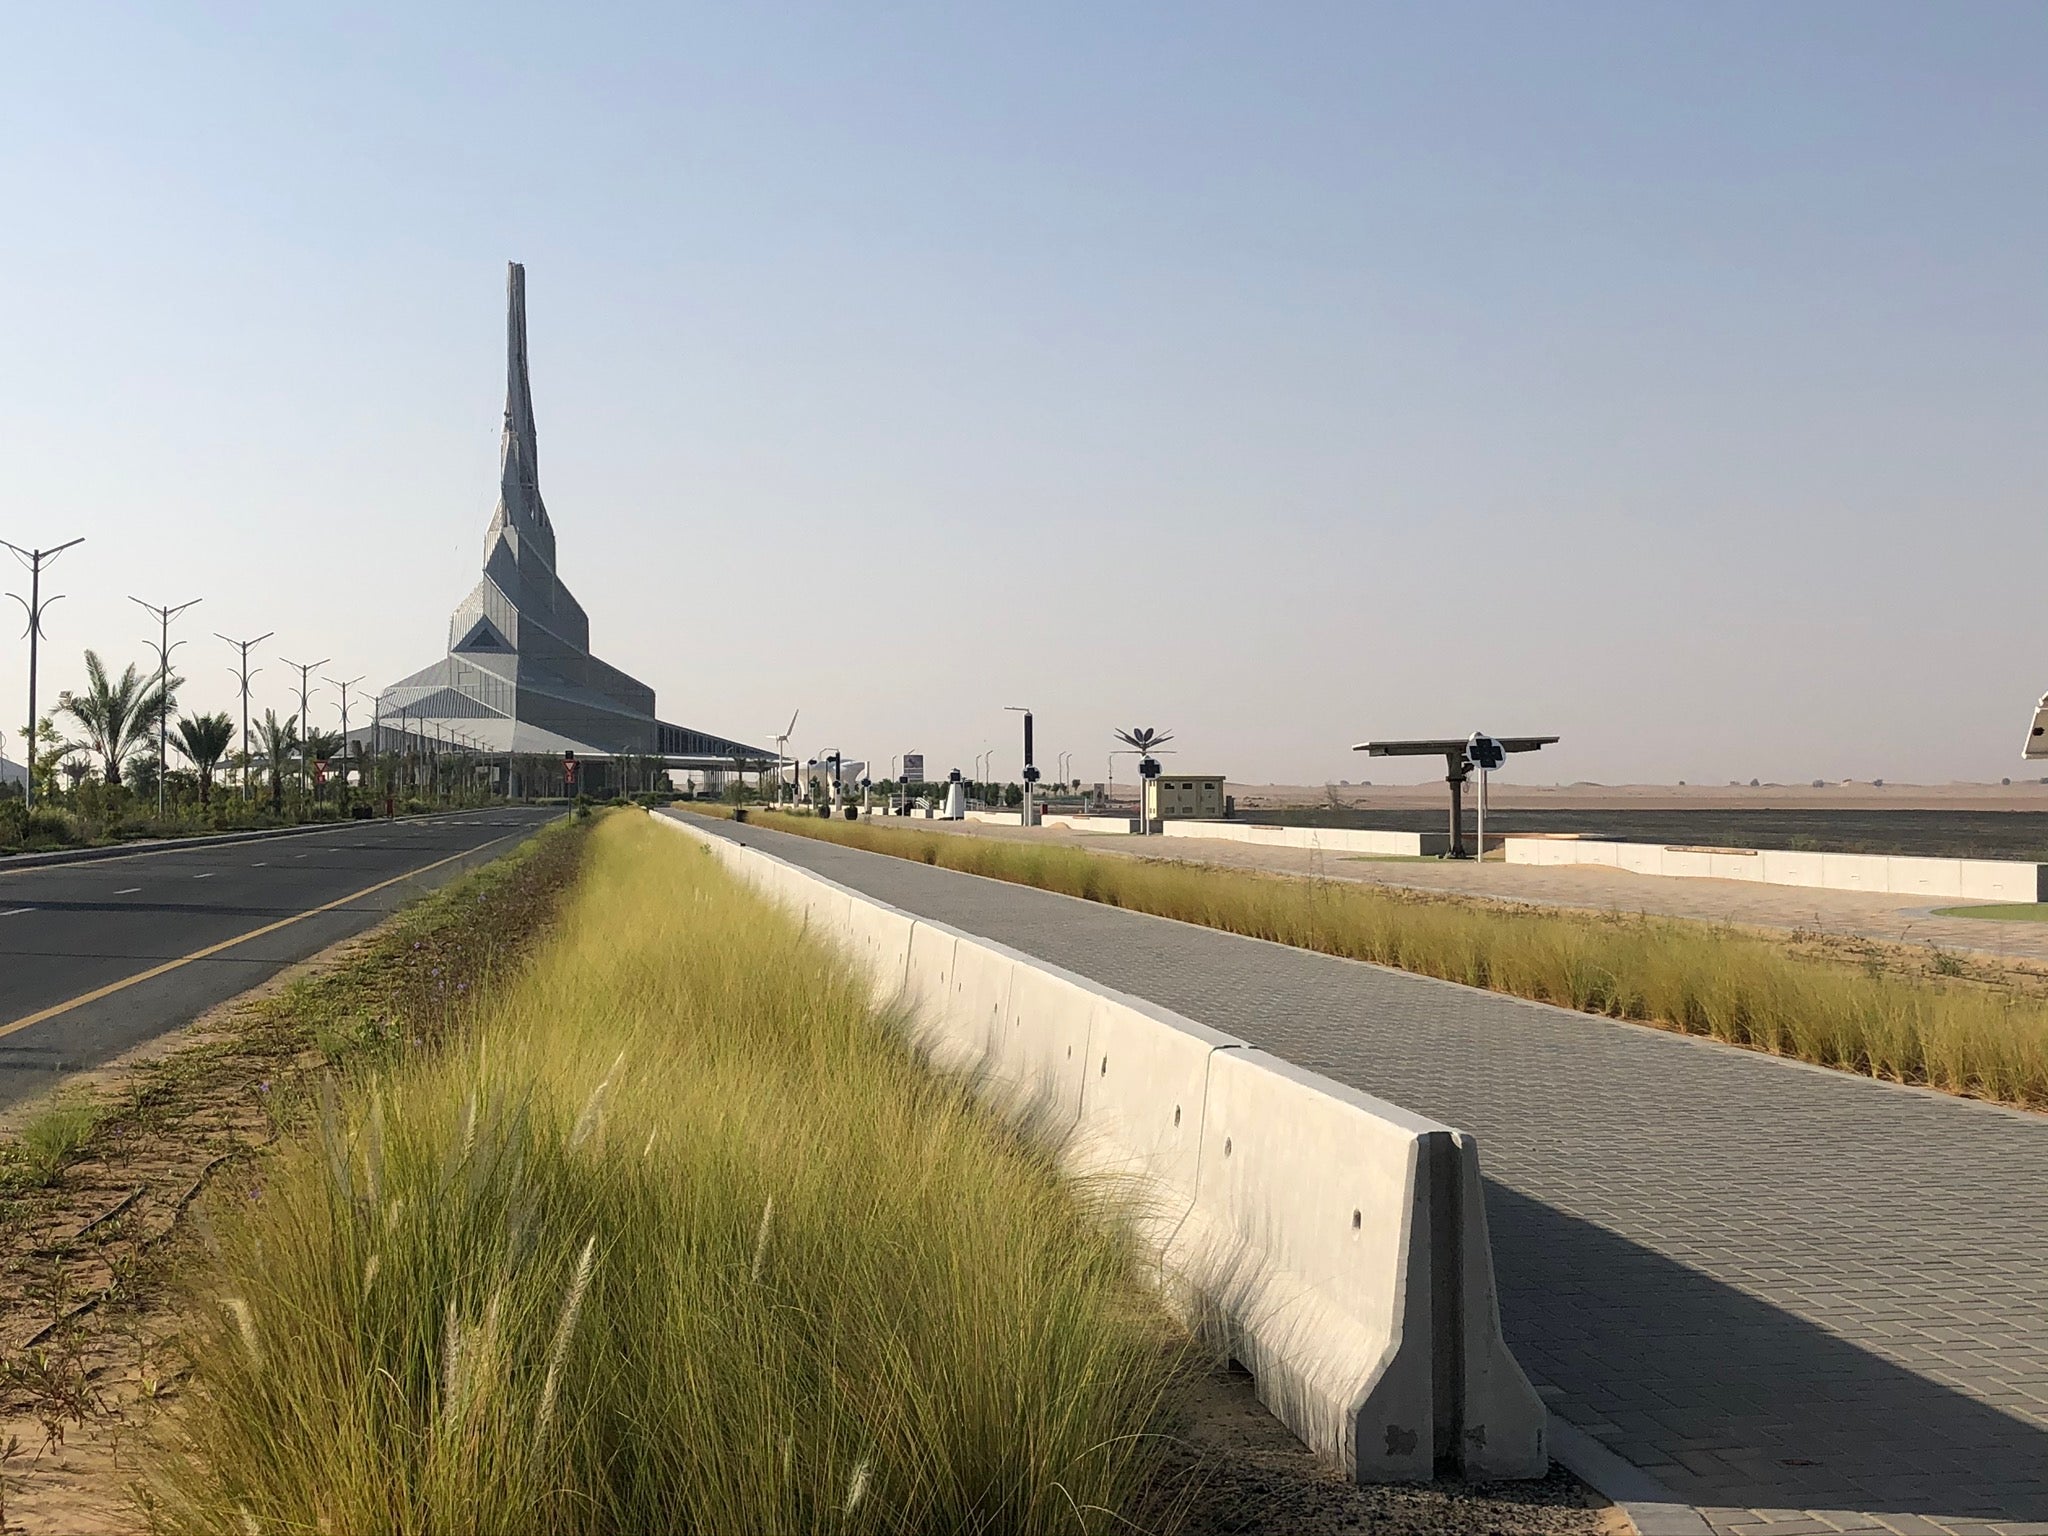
x: 679, y: 1236
x: 96, y: 1187
x: 1726, y: 983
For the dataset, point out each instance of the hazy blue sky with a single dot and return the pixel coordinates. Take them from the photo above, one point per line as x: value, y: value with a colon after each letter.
x: 1671, y: 377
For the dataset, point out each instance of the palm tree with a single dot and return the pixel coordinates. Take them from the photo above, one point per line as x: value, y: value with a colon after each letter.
x: 280, y: 739
x: 116, y: 716
x: 204, y: 741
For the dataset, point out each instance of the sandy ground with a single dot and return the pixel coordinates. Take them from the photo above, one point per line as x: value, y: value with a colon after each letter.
x: 1247, y: 1476
x: 78, y: 1380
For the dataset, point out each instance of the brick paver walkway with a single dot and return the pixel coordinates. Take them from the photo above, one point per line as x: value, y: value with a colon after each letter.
x: 1802, y: 1300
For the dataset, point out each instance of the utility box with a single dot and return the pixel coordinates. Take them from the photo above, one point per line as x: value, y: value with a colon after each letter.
x: 1185, y: 797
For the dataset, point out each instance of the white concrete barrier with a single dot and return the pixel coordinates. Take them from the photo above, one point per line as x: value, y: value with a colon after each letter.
x: 1334, y: 1243
x: 1107, y: 824
x: 1891, y: 874
x: 1414, y: 845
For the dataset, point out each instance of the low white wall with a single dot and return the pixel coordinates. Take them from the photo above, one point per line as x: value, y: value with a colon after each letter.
x: 1892, y: 874
x: 1110, y: 824
x: 1336, y: 1242
x: 1329, y: 839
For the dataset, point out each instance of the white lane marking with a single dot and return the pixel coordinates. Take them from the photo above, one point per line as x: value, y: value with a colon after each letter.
x: 129, y: 892
x: 261, y: 864
x: 207, y: 876
x: 17, y: 912
x: 298, y: 855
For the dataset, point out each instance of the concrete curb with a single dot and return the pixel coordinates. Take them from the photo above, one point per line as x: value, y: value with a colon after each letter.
x: 14, y: 861
x: 1651, y: 1508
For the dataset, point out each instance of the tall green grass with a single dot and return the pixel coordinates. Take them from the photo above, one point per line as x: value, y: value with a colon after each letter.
x: 1707, y: 980
x: 682, y: 1239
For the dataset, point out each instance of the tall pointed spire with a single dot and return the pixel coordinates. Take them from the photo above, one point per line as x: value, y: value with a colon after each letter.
x: 519, y: 488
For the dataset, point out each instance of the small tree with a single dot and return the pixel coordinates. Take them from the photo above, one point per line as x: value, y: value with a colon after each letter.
x: 203, y: 741
x: 116, y: 716
x: 280, y: 739
x: 46, y: 752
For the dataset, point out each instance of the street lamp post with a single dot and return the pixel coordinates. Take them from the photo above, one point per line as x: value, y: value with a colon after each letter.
x: 1145, y: 741
x: 164, y: 647
x: 35, y: 603
x: 244, y: 674
x: 305, y: 722
x: 344, y: 687
x: 1029, y: 815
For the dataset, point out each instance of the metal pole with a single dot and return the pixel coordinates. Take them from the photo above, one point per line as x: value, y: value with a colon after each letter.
x: 163, y: 685
x: 344, y: 687
x: 305, y: 721
x: 35, y: 560
x: 1482, y: 813
x: 245, y: 674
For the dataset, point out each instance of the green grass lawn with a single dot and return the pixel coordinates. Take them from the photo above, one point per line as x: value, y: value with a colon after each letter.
x: 2006, y: 912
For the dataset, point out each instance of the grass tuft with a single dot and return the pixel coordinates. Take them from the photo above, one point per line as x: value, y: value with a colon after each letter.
x: 768, y: 1274
x: 1707, y: 980
x: 52, y: 1137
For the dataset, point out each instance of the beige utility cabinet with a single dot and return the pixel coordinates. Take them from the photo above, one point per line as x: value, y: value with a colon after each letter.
x: 1186, y: 797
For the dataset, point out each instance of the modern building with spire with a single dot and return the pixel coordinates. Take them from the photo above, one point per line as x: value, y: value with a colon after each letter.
x: 519, y: 676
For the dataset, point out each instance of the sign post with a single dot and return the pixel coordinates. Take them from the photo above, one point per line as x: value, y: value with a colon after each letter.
x: 1486, y: 754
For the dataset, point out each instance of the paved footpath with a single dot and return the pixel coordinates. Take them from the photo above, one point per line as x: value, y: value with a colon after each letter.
x: 1803, y: 1301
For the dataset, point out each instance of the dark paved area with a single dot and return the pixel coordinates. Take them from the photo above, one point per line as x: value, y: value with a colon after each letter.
x: 1803, y: 1300
x: 71, y: 929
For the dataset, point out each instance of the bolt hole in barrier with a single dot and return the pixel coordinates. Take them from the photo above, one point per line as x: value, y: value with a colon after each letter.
x: 1377, y: 1341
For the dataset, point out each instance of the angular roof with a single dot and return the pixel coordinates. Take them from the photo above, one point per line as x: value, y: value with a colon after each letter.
x: 519, y: 665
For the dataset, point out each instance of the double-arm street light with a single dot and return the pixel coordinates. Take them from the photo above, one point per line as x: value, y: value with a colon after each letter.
x: 164, y: 646
x: 344, y: 687
x: 305, y: 723
x: 35, y: 603
x: 244, y: 672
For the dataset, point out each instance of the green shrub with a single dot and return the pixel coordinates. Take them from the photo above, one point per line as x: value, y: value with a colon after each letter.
x: 52, y: 1136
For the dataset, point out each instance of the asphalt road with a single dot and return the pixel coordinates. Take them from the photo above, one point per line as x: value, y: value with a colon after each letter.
x: 98, y: 957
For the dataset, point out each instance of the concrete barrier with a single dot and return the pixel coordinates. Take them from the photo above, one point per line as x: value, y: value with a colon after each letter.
x: 1334, y: 1244
x: 1890, y: 874
x: 1414, y: 845
x: 1106, y: 824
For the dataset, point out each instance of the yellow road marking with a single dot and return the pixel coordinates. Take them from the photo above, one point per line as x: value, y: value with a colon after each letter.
x: 168, y: 966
